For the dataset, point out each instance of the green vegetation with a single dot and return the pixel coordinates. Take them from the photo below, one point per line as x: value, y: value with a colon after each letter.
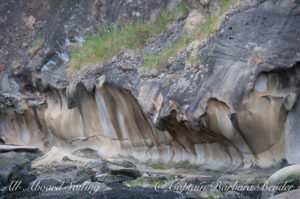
x: 39, y: 41
x: 44, y: 170
x: 133, y: 183
x: 37, y: 44
x: 101, y: 47
x: 213, y: 20
x: 161, y: 165
x: 192, y: 59
x: 145, y: 181
x: 98, y: 48
x: 288, y: 177
x: 255, y: 58
x: 204, y: 29
x: 154, y: 61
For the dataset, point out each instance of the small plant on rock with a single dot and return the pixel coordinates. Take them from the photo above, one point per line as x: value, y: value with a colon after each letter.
x: 255, y: 58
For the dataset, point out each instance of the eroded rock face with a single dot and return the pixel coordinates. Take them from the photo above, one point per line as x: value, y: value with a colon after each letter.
x: 238, y: 109
x: 35, y: 35
x: 194, y: 18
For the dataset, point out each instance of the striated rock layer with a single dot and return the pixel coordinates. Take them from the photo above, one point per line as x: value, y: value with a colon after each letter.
x: 240, y: 108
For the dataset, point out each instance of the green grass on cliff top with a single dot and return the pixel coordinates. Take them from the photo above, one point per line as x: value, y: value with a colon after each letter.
x: 204, y: 29
x: 98, y: 48
x: 101, y: 47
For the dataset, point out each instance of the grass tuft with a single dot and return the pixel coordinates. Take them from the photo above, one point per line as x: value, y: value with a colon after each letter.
x: 37, y: 44
x: 98, y: 48
x: 155, y: 61
x: 255, y: 58
x: 204, y: 29
x: 101, y: 47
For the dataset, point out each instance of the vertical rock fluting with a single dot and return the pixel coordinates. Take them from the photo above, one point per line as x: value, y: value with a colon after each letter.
x: 240, y: 108
x: 262, y: 130
x: 110, y: 120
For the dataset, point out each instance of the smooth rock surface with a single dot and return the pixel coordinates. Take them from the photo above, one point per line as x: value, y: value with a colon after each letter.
x: 289, y: 174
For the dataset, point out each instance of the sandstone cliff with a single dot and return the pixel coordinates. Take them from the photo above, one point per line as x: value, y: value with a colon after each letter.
x: 239, y: 107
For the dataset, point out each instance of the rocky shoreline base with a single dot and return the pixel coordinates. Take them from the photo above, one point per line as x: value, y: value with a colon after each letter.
x: 28, y: 173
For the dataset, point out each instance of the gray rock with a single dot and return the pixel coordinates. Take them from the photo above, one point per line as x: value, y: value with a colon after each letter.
x: 84, y: 175
x: 16, y: 167
x: 294, y: 194
x: 65, y: 168
x: 7, y: 148
x: 265, y: 194
x: 123, y: 163
x: 96, y: 164
x: 126, y: 171
x: 46, y: 182
x: 87, y: 153
x: 235, y: 195
x: 107, y: 178
x: 289, y: 174
x: 194, y: 18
